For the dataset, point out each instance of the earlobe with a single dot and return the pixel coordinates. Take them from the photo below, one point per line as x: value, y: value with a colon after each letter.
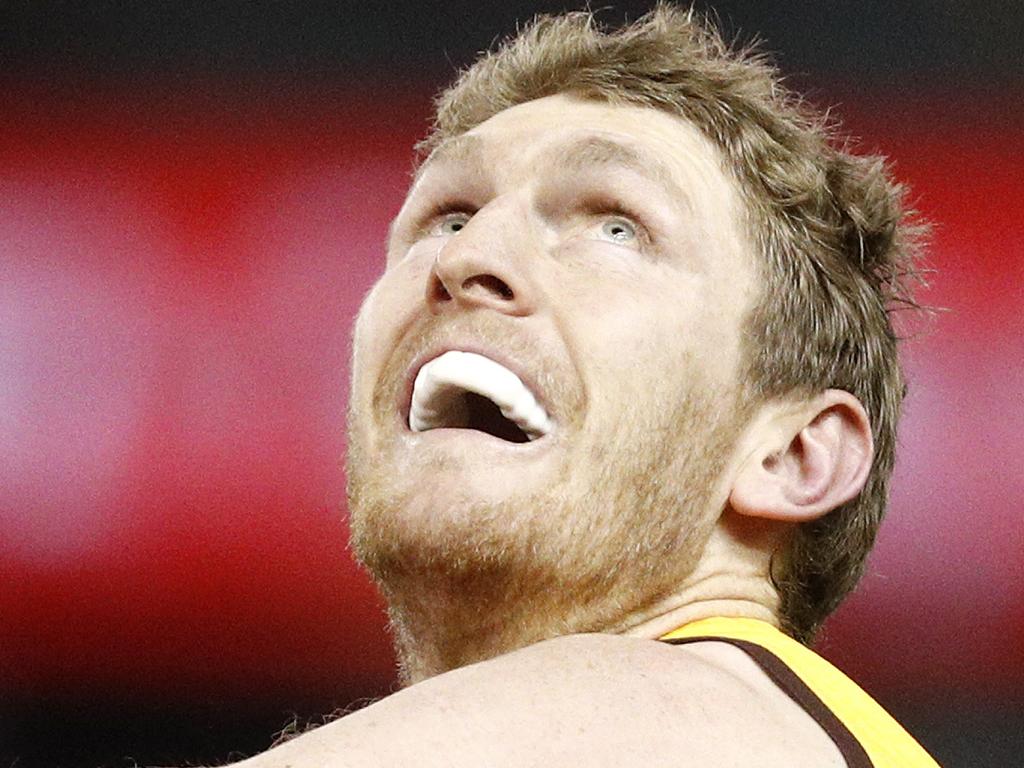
x: 808, y: 460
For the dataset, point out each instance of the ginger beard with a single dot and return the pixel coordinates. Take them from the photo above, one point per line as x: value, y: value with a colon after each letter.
x: 620, y: 524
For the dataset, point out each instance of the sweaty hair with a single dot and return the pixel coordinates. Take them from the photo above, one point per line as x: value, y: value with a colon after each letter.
x: 836, y: 245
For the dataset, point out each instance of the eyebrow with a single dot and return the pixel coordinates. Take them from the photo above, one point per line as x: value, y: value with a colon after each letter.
x: 599, y: 151
x: 464, y: 149
x: 583, y: 154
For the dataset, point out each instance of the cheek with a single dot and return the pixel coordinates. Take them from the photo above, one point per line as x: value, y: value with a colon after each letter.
x: 375, y: 328
x: 634, y: 313
x: 651, y: 336
x: 387, y: 312
x: 365, y: 350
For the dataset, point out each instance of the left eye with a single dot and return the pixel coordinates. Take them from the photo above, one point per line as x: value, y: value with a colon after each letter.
x: 619, y: 230
x: 453, y: 223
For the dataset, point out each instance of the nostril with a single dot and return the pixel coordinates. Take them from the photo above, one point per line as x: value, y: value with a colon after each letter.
x: 438, y: 292
x: 490, y: 284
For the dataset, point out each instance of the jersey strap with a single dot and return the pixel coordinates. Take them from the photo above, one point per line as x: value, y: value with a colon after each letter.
x: 865, y: 734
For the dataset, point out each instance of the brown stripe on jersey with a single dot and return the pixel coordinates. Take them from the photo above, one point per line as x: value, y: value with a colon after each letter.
x: 784, y: 677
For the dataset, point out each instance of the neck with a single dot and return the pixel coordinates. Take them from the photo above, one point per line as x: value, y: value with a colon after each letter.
x: 732, y: 580
x: 443, y: 625
x: 684, y: 609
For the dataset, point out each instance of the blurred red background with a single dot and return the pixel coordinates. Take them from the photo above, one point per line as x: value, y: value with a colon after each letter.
x: 179, y: 270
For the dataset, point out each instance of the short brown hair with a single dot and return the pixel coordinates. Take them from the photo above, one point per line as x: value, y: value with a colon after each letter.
x: 837, y: 242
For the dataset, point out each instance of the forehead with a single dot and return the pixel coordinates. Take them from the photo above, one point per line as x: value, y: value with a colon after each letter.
x: 576, y: 151
x: 566, y: 131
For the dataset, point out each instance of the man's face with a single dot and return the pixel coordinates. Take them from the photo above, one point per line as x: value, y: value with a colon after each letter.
x: 595, y: 251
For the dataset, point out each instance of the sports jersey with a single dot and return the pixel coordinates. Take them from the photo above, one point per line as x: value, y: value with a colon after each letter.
x: 866, y: 735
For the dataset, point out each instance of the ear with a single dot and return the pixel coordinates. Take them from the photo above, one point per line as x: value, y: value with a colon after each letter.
x: 807, y: 459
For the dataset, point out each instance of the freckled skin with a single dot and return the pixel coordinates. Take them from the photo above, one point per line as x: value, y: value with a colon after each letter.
x: 635, y: 344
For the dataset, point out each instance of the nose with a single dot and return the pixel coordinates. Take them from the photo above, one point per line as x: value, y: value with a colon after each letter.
x: 482, y: 266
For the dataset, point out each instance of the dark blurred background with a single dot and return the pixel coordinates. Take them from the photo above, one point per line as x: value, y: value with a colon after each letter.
x: 193, y: 200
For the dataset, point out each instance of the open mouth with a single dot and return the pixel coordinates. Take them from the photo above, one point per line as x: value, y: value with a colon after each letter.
x: 464, y: 390
x: 484, y: 416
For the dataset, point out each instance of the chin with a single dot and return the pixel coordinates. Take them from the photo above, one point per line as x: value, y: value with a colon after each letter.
x: 579, y: 534
x: 438, y: 527
x: 436, y: 503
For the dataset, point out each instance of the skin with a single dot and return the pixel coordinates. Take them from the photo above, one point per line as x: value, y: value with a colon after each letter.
x: 532, y: 278
x: 657, y: 500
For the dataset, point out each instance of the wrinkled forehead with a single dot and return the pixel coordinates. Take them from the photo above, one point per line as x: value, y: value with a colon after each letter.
x: 573, y: 150
x: 569, y: 133
x: 588, y: 146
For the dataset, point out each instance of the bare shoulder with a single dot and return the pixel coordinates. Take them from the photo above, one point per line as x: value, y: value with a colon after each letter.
x: 602, y: 699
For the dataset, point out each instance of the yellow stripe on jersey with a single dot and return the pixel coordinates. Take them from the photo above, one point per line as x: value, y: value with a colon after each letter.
x: 885, y: 741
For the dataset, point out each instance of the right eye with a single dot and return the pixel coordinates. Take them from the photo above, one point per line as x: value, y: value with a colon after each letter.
x: 619, y: 230
x: 452, y: 224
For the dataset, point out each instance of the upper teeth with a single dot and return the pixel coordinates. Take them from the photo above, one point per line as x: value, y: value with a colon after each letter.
x: 437, y: 393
